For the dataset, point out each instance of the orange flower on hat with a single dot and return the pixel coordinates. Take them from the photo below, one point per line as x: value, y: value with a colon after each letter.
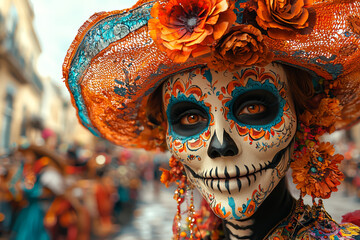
x: 325, y: 115
x: 315, y: 170
x: 283, y: 18
x: 243, y: 45
x: 184, y: 28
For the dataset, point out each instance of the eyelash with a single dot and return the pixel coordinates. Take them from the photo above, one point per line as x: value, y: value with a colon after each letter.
x: 183, y: 109
x: 262, y: 108
x: 253, y: 102
x: 181, y: 113
x: 188, y: 113
x: 268, y: 101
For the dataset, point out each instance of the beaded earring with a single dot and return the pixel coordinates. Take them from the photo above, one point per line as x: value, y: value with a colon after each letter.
x: 179, y: 197
x: 197, y: 224
x: 176, y: 174
x: 182, y: 228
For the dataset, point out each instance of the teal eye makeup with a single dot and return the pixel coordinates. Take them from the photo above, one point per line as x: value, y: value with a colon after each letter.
x: 188, y: 119
x: 257, y: 105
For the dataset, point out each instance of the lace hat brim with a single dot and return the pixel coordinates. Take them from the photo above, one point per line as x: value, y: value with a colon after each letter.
x: 113, y: 66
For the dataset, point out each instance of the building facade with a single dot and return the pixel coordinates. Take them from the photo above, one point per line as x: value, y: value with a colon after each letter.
x: 28, y: 102
x: 21, y: 88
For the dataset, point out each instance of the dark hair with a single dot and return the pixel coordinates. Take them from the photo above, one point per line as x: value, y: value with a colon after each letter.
x: 154, y: 107
x: 299, y: 81
x: 301, y: 87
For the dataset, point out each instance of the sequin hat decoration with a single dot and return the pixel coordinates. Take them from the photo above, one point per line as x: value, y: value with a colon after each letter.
x: 114, y: 64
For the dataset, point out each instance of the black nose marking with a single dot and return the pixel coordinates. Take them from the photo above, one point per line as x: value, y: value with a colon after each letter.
x: 228, y: 148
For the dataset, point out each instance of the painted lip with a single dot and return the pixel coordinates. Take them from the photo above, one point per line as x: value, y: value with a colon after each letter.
x: 214, y: 174
x: 213, y: 179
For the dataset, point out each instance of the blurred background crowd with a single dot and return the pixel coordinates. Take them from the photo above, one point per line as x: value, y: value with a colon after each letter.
x: 69, y: 191
x: 57, y: 181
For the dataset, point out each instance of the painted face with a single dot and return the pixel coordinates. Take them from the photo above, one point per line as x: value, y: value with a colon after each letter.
x: 232, y: 131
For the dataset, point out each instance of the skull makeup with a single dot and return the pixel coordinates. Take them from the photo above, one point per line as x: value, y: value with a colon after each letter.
x: 232, y: 131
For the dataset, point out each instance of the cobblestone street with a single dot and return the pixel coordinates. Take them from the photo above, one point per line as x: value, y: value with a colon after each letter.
x: 154, y: 213
x: 153, y: 216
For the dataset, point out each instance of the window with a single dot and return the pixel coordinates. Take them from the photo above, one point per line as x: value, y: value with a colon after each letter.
x: 6, y: 125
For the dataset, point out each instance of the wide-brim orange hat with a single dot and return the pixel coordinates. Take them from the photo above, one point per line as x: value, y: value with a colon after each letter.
x: 119, y: 58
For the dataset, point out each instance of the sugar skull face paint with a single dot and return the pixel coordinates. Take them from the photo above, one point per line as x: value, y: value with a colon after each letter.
x: 233, y: 133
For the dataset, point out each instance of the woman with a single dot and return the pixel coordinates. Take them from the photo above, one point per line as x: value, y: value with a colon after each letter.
x: 37, y: 182
x: 208, y: 130
x: 212, y: 81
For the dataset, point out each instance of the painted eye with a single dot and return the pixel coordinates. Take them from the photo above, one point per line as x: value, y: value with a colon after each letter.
x: 257, y: 107
x: 253, y: 109
x: 187, y: 118
x: 191, y: 119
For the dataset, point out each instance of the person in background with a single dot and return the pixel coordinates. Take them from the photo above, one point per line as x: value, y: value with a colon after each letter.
x: 67, y: 218
x: 103, y: 192
x: 50, y: 139
x: 36, y: 183
x: 6, y: 198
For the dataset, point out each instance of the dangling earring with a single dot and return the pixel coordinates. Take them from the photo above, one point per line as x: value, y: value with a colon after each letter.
x: 191, y: 212
x: 185, y: 228
x: 315, y: 166
x: 176, y: 174
x: 179, y: 197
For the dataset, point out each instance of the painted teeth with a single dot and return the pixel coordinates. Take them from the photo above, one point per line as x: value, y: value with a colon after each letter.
x: 229, y: 179
x: 238, y: 183
x: 227, y: 185
x: 213, y: 180
x: 254, y: 172
x: 247, y: 177
x: 226, y: 173
x: 237, y: 171
x: 218, y: 186
x: 225, y: 180
x: 247, y: 170
x: 214, y: 172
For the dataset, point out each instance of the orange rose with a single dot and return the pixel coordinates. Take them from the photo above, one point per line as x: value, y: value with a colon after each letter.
x: 283, y: 18
x: 242, y: 46
x: 184, y: 28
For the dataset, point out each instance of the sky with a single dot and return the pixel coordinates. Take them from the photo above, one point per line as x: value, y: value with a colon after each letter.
x: 56, y: 23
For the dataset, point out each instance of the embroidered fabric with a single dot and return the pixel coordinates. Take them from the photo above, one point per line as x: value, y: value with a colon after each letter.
x: 113, y: 65
x: 303, y: 223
